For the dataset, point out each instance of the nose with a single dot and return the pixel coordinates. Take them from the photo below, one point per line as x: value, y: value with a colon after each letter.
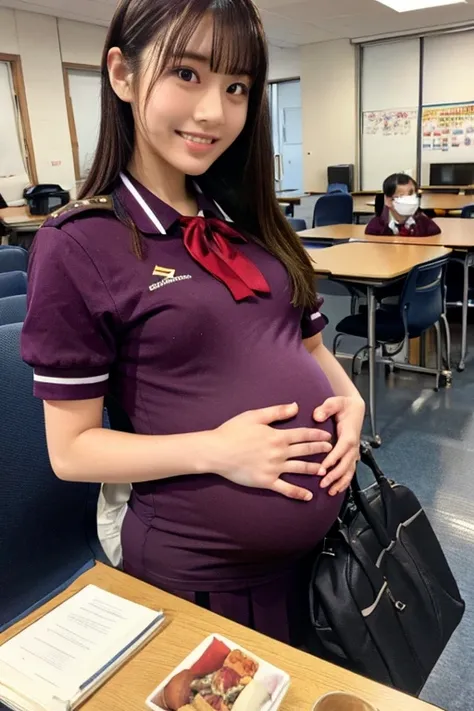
x: 210, y: 106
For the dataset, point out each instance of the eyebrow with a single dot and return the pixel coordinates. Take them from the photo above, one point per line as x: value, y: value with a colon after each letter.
x: 205, y: 59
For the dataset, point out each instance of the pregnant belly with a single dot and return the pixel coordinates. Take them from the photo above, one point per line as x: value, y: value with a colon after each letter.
x: 198, y: 529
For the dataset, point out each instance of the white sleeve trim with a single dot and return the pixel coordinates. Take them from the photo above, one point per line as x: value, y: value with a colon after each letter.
x: 71, y: 381
x: 315, y: 316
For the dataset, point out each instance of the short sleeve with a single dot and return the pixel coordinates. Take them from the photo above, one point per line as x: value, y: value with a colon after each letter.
x: 69, y: 333
x: 313, y: 321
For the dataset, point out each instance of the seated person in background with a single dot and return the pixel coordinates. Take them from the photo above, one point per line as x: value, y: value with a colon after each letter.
x: 401, y: 214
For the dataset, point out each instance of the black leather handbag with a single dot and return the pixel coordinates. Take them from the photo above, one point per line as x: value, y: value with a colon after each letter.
x: 383, y: 600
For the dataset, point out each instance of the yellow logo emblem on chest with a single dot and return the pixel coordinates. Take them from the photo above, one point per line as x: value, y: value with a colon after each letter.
x: 164, y: 272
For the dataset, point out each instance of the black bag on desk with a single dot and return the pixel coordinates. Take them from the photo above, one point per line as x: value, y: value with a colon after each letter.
x: 383, y: 600
x: 43, y: 199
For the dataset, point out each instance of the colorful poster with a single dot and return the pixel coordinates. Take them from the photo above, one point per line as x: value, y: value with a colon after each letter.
x: 448, y: 127
x: 391, y: 122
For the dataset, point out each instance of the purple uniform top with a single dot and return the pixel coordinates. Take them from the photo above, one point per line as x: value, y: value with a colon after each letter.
x: 179, y: 354
x: 420, y: 225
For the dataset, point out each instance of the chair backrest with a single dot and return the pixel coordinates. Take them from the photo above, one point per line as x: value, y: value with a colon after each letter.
x: 12, y: 283
x: 333, y: 209
x: 422, y: 298
x: 338, y: 188
x: 13, y: 259
x: 297, y: 223
x: 12, y: 309
x: 47, y: 526
x: 379, y: 203
x: 468, y: 211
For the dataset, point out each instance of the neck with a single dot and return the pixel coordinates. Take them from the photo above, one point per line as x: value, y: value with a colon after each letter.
x: 158, y: 176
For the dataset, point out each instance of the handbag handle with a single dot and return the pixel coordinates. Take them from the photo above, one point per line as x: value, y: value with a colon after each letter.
x: 385, y: 530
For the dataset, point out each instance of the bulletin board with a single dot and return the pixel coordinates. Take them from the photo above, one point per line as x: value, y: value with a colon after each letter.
x: 389, y: 144
x: 448, y: 135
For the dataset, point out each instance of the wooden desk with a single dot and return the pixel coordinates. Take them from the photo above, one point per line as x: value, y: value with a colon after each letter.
x: 441, y: 201
x: 188, y: 626
x: 371, y: 265
x: 363, y: 205
x: 20, y: 217
x: 358, y: 261
x: 456, y: 233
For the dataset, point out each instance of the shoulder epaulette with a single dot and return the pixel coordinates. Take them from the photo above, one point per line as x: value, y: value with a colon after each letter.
x: 78, y: 208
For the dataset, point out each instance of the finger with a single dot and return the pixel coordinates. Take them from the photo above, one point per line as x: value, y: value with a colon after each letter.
x: 340, y: 450
x: 329, y: 408
x: 306, y: 434
x: 276, y: 413
x: 291, y: 491
x: 296, y: 466
x: 343, y: 468
x: 308, y: 449
x: 342, y: 485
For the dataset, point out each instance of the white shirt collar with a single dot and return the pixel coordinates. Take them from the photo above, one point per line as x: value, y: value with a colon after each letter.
x: 393, y: 224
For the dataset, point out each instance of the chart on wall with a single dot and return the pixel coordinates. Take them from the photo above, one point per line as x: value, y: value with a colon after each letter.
x: 389, y: 141
x: 449, y: 128
x: 395, y: 122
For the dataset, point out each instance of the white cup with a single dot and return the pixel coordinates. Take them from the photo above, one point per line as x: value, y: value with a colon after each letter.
x: 341, y: 701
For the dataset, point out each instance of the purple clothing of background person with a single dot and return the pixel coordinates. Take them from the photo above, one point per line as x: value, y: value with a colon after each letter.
x: 420, y: 225
x: 169, y: 342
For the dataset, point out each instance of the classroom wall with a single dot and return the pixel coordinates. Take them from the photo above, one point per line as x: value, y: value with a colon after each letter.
x: 43, y: 43
x: 329, y: 101
x: 284, y: 63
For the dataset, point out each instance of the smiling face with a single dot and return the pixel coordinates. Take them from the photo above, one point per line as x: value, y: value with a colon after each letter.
x: 190, y: 115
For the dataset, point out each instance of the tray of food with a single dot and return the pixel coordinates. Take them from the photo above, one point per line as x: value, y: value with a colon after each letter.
x: 219, y: 675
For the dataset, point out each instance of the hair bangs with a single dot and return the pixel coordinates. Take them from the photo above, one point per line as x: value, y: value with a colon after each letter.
x: 238, y: 46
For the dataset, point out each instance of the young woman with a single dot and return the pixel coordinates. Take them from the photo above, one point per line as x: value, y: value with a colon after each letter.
x: 184, y: 295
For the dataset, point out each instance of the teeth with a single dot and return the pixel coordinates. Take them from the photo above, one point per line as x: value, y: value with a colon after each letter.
x: 196, y: 139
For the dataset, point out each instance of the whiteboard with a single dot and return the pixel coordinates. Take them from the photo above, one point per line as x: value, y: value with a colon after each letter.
x: 390, y: 100
x: 389, y: 145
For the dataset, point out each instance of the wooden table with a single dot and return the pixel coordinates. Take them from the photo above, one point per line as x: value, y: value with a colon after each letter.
x: 290, y: 199
x: 19, y: 217
x: 441, y: 201
x: 188, y: 625
x: 456, y: 233
x: 372, y: 266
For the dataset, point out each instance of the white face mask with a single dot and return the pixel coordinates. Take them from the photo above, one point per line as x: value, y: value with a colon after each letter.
x: 406, y: 205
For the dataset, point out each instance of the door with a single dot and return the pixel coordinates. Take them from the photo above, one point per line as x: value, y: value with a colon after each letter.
x: 285, y: 107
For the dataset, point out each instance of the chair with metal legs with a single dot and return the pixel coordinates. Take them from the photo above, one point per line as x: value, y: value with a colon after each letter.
x: 421, y: 306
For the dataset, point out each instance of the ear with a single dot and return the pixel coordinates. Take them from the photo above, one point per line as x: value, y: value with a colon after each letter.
x: 120, y: 75
x: 388, y: 202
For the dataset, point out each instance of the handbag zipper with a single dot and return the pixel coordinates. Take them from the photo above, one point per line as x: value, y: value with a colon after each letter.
x: 400, y: 606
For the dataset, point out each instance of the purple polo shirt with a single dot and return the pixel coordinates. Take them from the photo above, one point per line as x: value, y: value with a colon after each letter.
x: 169, y: 342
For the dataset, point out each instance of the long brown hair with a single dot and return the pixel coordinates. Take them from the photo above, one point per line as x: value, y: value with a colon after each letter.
x: 242, y: 179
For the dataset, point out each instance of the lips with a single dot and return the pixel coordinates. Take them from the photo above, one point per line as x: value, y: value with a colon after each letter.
x: 199, y: 139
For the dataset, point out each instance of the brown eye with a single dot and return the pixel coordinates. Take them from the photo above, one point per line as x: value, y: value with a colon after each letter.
x: 186, y: 75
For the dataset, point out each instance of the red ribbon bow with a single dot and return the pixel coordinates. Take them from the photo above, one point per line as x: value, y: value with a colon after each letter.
x: 208, y: 242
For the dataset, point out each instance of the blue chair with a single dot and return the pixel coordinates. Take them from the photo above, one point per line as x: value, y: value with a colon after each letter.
x: 333, y: 209
x: 468, y: 212
x: 338, y: 188
x: 12, y: 309
x: 12, y: 283
x: 47, y: 526
x: 422, y: 305
x: 297, y: 223
x: 13, y: 259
